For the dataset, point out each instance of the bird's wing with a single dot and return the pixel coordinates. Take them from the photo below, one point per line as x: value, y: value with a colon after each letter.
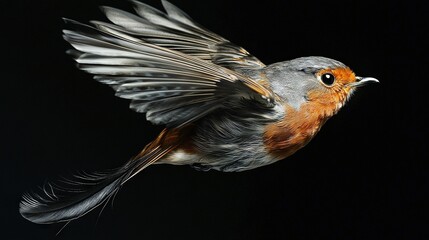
x: 176, y: 30
x: 171, y: 87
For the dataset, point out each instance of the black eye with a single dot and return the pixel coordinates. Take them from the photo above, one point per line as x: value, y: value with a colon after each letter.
x: 328, y: 79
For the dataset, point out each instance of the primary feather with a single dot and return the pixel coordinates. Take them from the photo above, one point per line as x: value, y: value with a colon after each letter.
x: 176, y: 30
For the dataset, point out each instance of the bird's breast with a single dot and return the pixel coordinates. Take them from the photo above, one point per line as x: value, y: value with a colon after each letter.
x: 294, y: 131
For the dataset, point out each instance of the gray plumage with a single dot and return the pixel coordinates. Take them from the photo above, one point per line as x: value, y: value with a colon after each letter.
x: 170, y: 69
x: 177, y: 73
x: 73, y: 198
x: 292, y: 79
x: 171, y: 87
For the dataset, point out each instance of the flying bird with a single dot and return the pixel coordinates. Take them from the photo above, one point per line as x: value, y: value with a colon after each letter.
x: 222, y: 108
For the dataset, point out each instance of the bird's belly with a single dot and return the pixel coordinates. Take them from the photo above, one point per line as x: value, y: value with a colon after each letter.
x: 227, y: 142
x: 227, y: 157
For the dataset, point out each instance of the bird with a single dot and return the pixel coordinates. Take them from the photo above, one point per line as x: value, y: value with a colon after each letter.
x: 221, y: 107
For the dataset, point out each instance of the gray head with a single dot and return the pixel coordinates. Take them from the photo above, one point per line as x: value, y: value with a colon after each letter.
x: 323, y: 81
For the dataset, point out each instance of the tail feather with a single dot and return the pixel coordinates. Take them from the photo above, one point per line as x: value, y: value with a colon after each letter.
x: 84, y: 193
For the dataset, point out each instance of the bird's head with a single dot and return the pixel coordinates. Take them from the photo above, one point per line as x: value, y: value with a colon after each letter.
x: 325, y: 83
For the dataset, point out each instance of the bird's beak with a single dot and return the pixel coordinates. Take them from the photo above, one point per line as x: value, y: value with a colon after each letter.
x: 360, y: 81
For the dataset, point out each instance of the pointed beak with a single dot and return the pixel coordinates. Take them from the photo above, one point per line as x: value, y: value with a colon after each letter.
x: 360, y: 81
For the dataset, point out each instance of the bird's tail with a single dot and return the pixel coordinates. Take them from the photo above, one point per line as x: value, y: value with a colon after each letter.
x: 86, y: 191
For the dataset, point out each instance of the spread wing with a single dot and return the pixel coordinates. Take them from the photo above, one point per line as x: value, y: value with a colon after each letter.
x: 176, y: 30
x: 171, y: 87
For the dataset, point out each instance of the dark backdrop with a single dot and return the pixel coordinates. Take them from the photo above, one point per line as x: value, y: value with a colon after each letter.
x: 363, y: 177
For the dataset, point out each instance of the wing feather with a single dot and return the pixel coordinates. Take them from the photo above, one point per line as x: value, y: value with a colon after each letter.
x: 177, y: 14
x: 176, y: 30
x: 171, y: 87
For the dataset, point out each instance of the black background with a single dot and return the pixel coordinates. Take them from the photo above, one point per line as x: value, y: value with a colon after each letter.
x: 364, y: 176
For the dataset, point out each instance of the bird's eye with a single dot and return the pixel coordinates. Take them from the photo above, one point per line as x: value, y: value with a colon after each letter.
x: 328, y: 79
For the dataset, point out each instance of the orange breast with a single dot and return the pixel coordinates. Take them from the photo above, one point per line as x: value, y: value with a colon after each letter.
x: 285, y: 137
